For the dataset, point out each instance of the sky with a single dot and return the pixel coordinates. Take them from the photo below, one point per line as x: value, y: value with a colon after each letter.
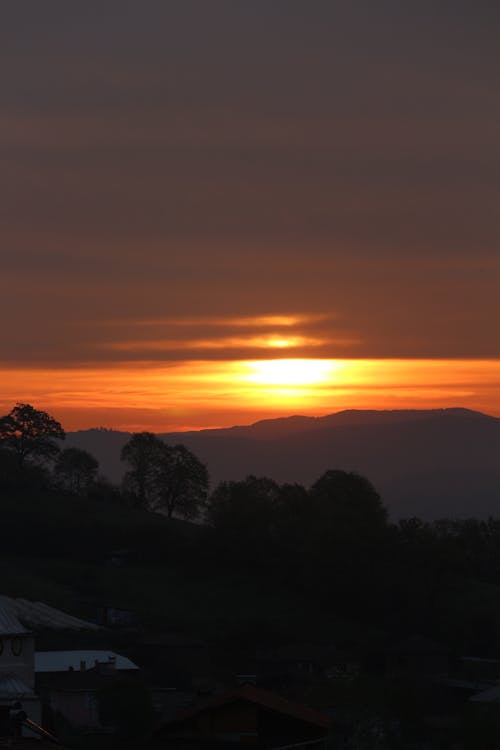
x: 217, y: 212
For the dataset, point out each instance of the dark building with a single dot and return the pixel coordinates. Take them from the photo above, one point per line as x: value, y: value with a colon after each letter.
x: 246, y: 716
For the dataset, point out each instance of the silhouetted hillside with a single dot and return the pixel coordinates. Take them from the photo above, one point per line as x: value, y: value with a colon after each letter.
x: 430, y: 463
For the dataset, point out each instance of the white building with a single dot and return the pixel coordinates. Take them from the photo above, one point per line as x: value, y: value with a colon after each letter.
x: 17, y: 665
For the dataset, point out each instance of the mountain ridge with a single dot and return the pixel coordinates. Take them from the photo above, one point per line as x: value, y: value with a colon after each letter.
x: 432, y: 463
x: 346, y: 416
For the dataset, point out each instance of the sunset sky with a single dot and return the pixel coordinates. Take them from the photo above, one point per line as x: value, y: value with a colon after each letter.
x: 217, y: 211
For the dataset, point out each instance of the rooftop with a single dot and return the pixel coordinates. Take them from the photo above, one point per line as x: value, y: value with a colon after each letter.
x: 263, y: 698
x: 63, y: 661
x: 9, y: 624
x: 38, y: 614
x: 11, y: 687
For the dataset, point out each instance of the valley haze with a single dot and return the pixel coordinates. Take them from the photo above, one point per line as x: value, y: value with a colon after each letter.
x: 428, y: 463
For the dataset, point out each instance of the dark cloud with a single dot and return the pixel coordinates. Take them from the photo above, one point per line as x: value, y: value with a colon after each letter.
x: 259, y: 157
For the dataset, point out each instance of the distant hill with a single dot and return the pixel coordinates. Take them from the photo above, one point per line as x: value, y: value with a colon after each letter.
x: 430, y: 463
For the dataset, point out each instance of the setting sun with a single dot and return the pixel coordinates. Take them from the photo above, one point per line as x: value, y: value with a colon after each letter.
x: 196, y: 394
x: 291, y: 372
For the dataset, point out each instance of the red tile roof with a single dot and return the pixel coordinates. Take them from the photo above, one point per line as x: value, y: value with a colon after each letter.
x: 263, y: 698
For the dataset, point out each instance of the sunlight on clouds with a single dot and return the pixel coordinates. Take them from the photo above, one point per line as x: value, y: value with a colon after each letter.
x: 197, y: 394
x: 242, y: 321
x: 225, y: 342
x: 292, y: 371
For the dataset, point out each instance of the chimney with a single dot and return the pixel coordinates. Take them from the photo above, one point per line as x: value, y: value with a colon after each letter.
x: 82, y: 666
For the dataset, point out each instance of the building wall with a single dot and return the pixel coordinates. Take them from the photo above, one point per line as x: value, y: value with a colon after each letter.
x: 235, y: 717
x: 246, y: 722
x: 17, y: 657
x: 79, y: 708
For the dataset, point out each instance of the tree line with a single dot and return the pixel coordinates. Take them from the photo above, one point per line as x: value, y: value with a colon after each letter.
x: 159, y: 477
x: 333, y: 539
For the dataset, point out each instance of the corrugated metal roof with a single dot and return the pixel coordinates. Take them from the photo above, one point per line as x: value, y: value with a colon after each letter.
x: 61, y: 661
x: 9, y: 624
x: 37, y: 614
x: 12, y: 687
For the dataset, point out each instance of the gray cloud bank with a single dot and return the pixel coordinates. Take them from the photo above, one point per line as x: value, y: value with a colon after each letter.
x: 232, y: 158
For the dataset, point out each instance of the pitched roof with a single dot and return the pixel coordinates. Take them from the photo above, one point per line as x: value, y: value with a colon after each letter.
x: 63, y: 661
x: 12, y: 687
x: 9, y: 624
x: 263, y: 698
x: 38, y: 614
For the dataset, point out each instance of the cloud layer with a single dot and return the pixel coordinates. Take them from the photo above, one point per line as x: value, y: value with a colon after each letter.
x: 181, y: 179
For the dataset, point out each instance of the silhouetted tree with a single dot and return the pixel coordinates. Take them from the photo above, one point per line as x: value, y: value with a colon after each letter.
x: 142, y: 453
x: 76, y: 470
x: 8, y: 467
x: 290, y: 518
x: 104, y: 490
x: 164, y: 477
x: 344, y: 536
x: 180, y: 482
x: 30, y: 434
x: 243, y: 514
x: 349, y: 502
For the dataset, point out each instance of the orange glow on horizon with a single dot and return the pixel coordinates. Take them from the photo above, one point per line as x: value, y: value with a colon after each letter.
x: 199, y: 394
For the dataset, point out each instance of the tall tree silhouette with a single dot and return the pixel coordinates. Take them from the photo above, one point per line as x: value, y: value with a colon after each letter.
x: 348, y: 502
x: 164, y: 477
x: 242, y: 514
x: 31, y: 434
x: 141, y: 453
x: 76, y: 470
x: 181, y: 481
x: 344, y: 535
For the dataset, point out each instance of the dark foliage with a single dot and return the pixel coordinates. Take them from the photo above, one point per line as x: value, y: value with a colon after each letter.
x: 76, y: 471
x: 330, y: 548
x: 181, y: 482
x: 165, y: 478
x: 141, y: 453
x: 32, y: 435
x: 243, y: 515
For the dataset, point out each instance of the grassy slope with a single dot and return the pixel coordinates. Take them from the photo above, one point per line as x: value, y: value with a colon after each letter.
x: 55, y: 550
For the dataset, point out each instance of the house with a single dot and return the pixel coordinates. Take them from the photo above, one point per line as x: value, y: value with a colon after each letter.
x: 245, y: 716
x: 51, y: 662
x: 17, y: 672
x: 40, y: 615
x: 20, y: 667
x: 69, y: 682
